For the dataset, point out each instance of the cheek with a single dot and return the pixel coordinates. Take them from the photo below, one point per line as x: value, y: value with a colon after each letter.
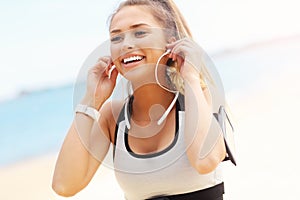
x: 115, y: 52
x: 154, y: 54
x: 153, y: 44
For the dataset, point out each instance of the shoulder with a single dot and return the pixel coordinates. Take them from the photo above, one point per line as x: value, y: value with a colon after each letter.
x: 110, y: 112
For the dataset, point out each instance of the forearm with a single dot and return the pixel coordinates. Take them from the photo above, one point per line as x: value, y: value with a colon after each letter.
x: 205, y: 145
x: 77, y: 160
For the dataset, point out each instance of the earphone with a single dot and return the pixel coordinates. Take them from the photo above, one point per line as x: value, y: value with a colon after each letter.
x: 168, y: 51
x: 110, y: 71
x: 156, y: 68
x: 164, y: 116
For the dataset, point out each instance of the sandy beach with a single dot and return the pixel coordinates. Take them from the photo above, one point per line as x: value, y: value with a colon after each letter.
x: 28, y: 179
x: 31, y: 180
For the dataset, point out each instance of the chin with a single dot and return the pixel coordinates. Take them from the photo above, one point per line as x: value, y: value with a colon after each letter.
x: 143, y: 74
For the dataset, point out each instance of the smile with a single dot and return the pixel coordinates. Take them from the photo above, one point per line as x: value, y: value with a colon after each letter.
x: 132, y: 59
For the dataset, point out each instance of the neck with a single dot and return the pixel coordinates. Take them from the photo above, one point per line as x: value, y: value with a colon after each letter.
x: 150, y: 102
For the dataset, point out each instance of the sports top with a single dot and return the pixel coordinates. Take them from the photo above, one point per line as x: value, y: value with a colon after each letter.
x: 167, y: 172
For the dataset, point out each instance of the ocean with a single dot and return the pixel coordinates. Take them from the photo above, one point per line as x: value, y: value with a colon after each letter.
x: 35, y: 123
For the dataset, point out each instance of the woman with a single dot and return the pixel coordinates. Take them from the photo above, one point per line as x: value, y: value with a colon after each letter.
x: 160, y: 131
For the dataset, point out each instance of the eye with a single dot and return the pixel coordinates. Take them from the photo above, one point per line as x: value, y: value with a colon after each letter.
x: 140, y: 33
x: 116, y: 39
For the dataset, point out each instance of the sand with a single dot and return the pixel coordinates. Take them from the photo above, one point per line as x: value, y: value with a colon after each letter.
x: 31, y: 180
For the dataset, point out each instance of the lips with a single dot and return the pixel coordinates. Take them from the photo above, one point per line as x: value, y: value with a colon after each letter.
x: 132, y: 60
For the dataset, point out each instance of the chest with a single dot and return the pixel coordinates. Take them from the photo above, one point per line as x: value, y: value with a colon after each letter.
x: 164, y: 172
x: 151, y: 138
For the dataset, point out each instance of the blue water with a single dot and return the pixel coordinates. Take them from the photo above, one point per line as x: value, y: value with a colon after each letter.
x: 34, y: 124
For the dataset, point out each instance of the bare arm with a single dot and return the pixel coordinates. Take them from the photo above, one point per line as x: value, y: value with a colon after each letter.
x: 203, y: 135
x: 84, y: 147
x: 87, y: 141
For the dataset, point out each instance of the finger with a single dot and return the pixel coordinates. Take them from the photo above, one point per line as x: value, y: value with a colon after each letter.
x: 180, y: 61
x: 114, y: 75
x: 101, y: 66
x: 179, y: 51
x: 108, y: 60
x: 173, y: 44
x: 104, y: 58
x: 109, y: 70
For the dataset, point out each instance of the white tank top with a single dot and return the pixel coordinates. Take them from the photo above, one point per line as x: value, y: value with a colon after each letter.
x: 167, y: 172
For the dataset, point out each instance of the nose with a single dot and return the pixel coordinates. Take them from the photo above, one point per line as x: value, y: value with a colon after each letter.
x: 128, y: 43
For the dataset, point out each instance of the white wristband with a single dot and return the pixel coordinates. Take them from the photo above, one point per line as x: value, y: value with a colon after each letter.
x: 89, y: 111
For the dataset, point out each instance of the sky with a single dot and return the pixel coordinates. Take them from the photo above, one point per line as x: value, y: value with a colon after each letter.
x: 44, y: 43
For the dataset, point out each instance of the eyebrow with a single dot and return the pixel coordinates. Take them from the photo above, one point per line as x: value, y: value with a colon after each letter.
x: 131, y: 27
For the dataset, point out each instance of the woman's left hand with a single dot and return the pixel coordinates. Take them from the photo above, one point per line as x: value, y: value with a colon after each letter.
x: 189, y: 56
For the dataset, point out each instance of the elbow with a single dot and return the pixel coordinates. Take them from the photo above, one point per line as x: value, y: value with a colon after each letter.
x: 204, y: 169
x: 63, y: 190
x: 207, y: 165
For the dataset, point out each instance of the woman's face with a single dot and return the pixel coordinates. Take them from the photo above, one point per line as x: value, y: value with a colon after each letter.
x: 137, y: 40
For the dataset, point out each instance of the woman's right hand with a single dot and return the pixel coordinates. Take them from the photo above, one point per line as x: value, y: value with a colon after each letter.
x: 99, y: 85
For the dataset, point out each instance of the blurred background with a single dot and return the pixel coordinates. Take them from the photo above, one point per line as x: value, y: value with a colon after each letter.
x: 255, y: 46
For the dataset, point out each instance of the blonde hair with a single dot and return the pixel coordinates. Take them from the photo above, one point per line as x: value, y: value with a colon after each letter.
x: 169, y: 16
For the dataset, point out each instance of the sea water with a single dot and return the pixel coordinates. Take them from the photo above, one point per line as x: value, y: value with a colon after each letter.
x: 34, y: 123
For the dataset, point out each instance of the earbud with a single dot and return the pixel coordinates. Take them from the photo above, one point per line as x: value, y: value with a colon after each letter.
x: 156, y: 70
x: 110, y: 71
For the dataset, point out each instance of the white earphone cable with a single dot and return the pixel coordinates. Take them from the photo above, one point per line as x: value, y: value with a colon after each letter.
x: 156, y: 68
x: 126, y: 115
x: 164, y: 116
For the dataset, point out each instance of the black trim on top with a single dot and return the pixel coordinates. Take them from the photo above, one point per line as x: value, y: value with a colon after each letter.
x: 181, y: 102
x: 180, y: 106
x: 151, y: 155
x: 212, y: 193
x: 121, y: 117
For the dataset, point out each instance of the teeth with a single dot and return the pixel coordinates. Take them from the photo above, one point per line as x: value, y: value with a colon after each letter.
x: 133, y: 58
